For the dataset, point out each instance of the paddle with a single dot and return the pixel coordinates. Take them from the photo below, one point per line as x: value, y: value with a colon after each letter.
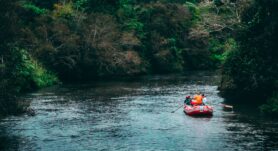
x: 227, y: 106
x: 177, y: 109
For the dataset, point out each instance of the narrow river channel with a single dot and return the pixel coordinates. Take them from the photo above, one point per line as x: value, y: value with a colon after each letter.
x: 134, y: 114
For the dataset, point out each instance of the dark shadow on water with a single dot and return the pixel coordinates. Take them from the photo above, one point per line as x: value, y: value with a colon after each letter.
x: 8, y: 142
x: 255, y: 131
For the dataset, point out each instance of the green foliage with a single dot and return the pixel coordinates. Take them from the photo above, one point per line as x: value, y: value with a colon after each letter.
x: 137, y: 26
x: 123, y: 3
x: 167, y: 19
x: 172, y: 44
x: 252, y: 70
x: 85, y: 39
x: 271, y: 106
x: 173, y: 1
x: 81, y: 4
x: 220, y: 50
x: 128, y: 15
x: 75, y: 37
x: 134, y: 25
x: 195, y: 12
x: 28, y: 73
x: 161, y: 30
x: 34, y: 8
x: 64, y: 10
x: 166, y: 25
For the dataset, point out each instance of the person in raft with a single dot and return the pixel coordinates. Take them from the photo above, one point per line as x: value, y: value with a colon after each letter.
x: 187, y: 100
x: 205, y: 101
x: 197, y: 99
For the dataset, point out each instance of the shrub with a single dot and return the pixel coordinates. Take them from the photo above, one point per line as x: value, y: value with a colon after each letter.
x: 28, y: 73
x: 171, y: 20
x: 34, y: 8
x: 81, y: 4
x: 220, y: 50
x: 271, y: 106
x: 195, y: 12
x: 64, y: 10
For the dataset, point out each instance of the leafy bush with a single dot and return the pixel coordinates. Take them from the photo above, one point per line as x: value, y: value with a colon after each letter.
x: 271, y: 106
x: 195, y: 12
x: 128, y: 16
x: 220, y: 50
x: 34, y: 8
x: 28, y: 73
x: 171, y: 20
x: 166, y: 26
x: 81, y: 4
x: 64, y: 10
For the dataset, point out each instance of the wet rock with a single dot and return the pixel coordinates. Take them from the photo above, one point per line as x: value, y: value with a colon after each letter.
x: 30, y: 112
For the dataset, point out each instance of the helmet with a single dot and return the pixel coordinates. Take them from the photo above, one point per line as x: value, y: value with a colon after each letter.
x: 188, y: 97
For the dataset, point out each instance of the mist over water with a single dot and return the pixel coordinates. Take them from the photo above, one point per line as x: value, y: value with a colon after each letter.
x: 134, y: 114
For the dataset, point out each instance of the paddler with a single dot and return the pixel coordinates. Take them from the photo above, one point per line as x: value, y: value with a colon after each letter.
x: 205, y: 101
x: 197, y: 99
x: 187, y: 100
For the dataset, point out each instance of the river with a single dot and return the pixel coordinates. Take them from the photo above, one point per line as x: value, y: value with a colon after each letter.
x: 134, y: 114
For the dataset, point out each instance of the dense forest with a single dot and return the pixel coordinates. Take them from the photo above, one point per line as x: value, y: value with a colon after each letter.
x: 43, y: 43
x: 251, y: 72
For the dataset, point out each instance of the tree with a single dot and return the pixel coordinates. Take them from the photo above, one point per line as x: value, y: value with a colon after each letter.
x: 252, y: 70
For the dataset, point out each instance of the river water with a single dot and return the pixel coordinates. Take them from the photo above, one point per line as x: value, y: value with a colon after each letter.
x: 135, y: 114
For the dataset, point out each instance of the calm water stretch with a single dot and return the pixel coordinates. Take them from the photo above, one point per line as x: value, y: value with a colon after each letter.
x: 135, y: 114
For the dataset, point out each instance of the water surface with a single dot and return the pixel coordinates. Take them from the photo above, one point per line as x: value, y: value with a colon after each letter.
x: 134, y: 114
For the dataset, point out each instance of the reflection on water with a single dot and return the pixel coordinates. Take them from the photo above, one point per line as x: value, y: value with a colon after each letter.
x: 134, y: 114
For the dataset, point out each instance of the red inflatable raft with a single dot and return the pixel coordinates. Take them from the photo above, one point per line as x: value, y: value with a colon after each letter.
x: 198, y: 110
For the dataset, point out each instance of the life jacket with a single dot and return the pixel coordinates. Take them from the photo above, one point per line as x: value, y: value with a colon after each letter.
x: 198, y: 99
